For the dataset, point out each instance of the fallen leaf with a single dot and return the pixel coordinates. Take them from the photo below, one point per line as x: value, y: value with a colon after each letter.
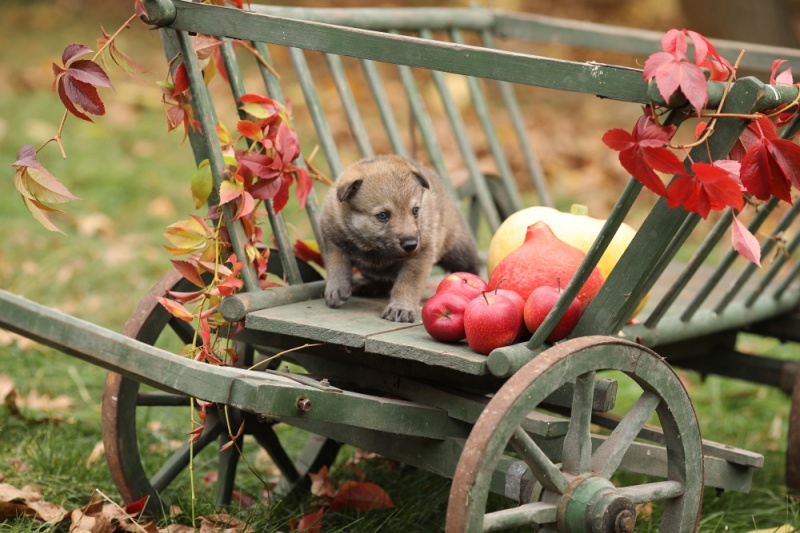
x: 360, y: 496
x: 786, y: 528
x: 311, y: 523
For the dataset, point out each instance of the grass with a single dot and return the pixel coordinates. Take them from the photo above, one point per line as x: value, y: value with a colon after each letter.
x: 133, y: 180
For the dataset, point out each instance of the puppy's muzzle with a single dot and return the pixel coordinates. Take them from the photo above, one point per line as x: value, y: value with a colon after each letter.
x: 409, y: 244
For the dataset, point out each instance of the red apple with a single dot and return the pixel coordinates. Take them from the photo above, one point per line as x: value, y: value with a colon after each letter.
x: 471, y: 285
x: 519, y: 301
x: 443, y: 316
x: 491, y: 321
x: 539, y: 304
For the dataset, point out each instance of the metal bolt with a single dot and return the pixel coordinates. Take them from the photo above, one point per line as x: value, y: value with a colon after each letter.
x: 303, y: 404
x: 325, y: 383
x: 625, y: 522
x: 285, y: 368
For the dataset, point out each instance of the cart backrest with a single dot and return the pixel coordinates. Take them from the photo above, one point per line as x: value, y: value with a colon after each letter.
x: 422, y: 48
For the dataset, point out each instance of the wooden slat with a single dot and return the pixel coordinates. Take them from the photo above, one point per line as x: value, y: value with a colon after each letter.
x: 350, y: 325
x: 415, y: 344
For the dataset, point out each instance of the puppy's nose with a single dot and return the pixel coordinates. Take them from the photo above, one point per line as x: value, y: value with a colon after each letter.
x: 408, y: 244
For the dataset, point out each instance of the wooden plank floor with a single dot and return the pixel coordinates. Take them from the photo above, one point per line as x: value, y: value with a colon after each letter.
x: 357, y: 324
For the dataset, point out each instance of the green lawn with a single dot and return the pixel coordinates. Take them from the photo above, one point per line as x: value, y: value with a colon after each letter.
x: 133, y: 180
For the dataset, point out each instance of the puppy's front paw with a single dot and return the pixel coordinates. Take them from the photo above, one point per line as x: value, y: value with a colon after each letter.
x: 399, y: 312
x: 337, y: 293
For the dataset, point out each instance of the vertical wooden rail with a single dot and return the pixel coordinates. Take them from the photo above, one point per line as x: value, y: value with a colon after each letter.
x: 315, y: 110
x: 349, y: 105
x: 276, y: 221
x: 489, y: 131
x: 276, y: 93
x: 384, y: 107
x: 204, y: 110
x: 515, y: 114
x: 460, y: 132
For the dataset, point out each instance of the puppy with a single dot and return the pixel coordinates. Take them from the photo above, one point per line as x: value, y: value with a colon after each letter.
x: 393, y: 219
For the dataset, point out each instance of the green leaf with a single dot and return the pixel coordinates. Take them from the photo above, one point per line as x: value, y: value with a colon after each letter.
x: 202, y: 184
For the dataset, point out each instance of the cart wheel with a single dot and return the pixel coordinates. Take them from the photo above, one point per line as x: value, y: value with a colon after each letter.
x: 577, y: 494
x: 150, y: 323
x: 793, y: 445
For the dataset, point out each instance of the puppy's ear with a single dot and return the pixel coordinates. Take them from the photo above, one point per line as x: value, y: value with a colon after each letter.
x: 347, y: 190
x: 420, y: 175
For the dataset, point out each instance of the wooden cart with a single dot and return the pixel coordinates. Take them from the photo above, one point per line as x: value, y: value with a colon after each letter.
x: 530, y: 421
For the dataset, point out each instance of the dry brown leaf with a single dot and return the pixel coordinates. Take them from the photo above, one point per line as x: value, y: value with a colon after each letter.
x: 6, y: 386
x: 176, y: 528
x: 42, y: 402
x: 97, y: 453
x: 85, y: 523
x: 223, y: 523
x: 10, y: 492
x: 786, y: 528
x: 15, y: 509
x: 48, y: 512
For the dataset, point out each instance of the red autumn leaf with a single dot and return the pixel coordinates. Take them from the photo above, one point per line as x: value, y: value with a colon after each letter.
x: 752, y: 134
x: 784, y: 78
x: 360, y: 496
x: 204, y: 47
x: 180, y: 80
x: 307, y: 253
x: 175, y: 309
x: 77, y: 80
x: 642, y: 152
x: 769, y: 167
x: 249, y: 129
x: 311, y: 523
x: 261, y: 165
x: 189, y: 271
x: 195, y: 433
x: 139, y: 9
x: 282, y: 197
x: 231, y: 189
x: 672, y: 73
x: 745, y: 243
x: 710, y: 188
x: 304, y: 185
x: 185, y: 297
x: 136, y: 507
x: 123, y: 60
x: 672, y: 69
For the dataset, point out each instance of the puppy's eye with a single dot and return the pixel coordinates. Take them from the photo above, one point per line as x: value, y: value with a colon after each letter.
x: 383, y: 216
x: 415, y: 211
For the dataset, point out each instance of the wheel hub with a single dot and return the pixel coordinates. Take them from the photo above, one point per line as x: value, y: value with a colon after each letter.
x: 592, y: 504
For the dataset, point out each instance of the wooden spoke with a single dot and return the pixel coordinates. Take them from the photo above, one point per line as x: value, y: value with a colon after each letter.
x: 608, y: 456
x: 179, y: 460
x: 578, y: 442
x: 530, y: 513
x: 649, y: 492
x: 226, y: 470
x: 184, y: 330
x: 542, y: 467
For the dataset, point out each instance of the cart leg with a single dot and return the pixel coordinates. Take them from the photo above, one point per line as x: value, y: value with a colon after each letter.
x: 123, y: 399
x: 575, y: 486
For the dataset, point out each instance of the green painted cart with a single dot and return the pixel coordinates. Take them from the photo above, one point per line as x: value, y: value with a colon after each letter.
x: 531, y: 422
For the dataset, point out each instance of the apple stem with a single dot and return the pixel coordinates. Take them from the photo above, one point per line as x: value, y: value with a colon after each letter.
x: 485, y: 298
x: 498, y: 285
x: 558, y: 281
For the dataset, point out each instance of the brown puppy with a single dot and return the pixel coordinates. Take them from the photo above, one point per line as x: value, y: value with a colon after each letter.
x: 393, y: 219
